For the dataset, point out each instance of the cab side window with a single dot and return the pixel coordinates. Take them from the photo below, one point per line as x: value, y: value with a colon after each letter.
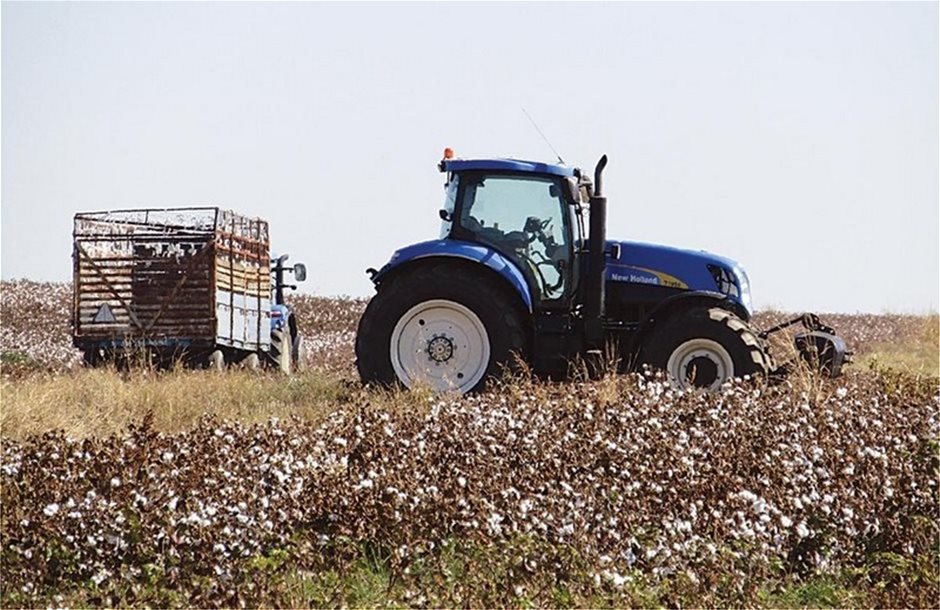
x: 524, y: 217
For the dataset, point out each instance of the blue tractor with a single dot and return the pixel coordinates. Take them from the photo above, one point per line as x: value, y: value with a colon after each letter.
x: 287, y: 348
x: 523, y: 272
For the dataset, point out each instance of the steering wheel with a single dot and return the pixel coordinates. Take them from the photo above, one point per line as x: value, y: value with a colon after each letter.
x: 535, y: 227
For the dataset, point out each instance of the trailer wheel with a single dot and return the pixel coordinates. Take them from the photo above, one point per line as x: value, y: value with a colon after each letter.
x: 251, y: 362
x: 703, y: 348
x: 281, y: 349
x: 435, y: 327
x: 92, y: 357
x: 216, y: 360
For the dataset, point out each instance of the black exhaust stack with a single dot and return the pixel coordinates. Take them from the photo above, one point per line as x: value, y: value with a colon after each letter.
x: 597, y: 244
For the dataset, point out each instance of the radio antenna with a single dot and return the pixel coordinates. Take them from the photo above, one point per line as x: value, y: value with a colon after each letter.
x: 531, y: 120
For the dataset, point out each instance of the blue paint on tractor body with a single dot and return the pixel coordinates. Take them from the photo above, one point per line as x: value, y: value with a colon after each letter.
x: 659, y: 265
x: 279, y: 315
x: 639, y: 263
x: 452, y: 248
x: 507, y: 165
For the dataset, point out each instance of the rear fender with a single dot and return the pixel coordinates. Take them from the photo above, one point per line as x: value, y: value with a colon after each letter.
x: 459, y: 250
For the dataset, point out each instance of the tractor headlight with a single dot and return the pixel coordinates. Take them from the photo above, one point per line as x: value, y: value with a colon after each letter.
x: 745, y: 290
x: 733, y: 283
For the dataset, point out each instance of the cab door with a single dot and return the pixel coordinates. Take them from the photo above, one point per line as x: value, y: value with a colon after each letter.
x: 526, y: 218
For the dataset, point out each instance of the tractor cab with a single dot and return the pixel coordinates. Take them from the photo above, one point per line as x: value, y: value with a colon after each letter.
x: 531, y: 213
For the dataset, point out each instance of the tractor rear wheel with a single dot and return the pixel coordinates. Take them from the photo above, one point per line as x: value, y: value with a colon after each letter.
x: 704, y: 347
x: 438, y: 327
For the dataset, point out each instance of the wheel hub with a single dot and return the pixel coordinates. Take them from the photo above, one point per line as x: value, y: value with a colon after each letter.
x: 701, y: 372
x: 441, y: 343
x: 440, y: 349
x: 700, y: 363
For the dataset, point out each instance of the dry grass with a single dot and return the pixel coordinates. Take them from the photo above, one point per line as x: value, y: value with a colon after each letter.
x: 919, y: 354
x: 101, y: 402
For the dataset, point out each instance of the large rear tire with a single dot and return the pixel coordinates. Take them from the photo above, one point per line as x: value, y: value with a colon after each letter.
x: 439, y: 327
x: 705, y: 347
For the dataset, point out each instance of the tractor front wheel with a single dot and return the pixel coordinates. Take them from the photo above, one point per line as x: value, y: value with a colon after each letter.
x: 440, y: 328
x: 281, y: 349
x: 704, y: 347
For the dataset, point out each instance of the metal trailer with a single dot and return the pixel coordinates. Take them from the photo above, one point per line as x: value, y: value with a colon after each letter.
x: 190, y: 283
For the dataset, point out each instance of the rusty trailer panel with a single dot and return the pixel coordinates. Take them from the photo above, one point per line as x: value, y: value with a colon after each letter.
x: 182, y: 277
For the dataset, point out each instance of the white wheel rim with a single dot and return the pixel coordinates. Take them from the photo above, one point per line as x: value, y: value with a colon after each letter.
x: 441, y: 344
x: 217, y: 360
x: 695, y: 352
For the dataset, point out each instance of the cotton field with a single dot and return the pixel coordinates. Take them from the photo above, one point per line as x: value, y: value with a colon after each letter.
x: 618, y: 491
x: 35, y: 321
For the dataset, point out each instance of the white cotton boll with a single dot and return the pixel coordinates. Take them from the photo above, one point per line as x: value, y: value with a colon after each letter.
x: 100, y: 576
x: 801, y: 530
x: 51, y: 509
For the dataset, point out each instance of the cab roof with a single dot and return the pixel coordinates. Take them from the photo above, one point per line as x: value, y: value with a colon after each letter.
x: 506, y: 165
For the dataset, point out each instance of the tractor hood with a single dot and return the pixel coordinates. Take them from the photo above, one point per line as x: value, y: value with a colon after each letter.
x: 657, y: 265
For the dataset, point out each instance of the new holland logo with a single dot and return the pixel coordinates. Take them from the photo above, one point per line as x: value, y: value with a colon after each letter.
x: 104, y: 315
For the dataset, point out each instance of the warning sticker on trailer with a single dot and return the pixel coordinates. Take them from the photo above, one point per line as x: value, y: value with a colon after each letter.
x: 104, y: 315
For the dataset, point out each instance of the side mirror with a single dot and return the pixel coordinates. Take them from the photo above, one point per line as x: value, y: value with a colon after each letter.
x: 300, y: 272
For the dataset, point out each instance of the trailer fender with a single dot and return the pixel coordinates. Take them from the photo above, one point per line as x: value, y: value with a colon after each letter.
x: 460, y: 250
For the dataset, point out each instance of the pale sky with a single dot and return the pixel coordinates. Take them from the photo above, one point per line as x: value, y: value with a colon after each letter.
x: 798, y: 139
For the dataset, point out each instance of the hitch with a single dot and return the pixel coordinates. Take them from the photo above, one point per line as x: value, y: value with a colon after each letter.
x: 819, y: 347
